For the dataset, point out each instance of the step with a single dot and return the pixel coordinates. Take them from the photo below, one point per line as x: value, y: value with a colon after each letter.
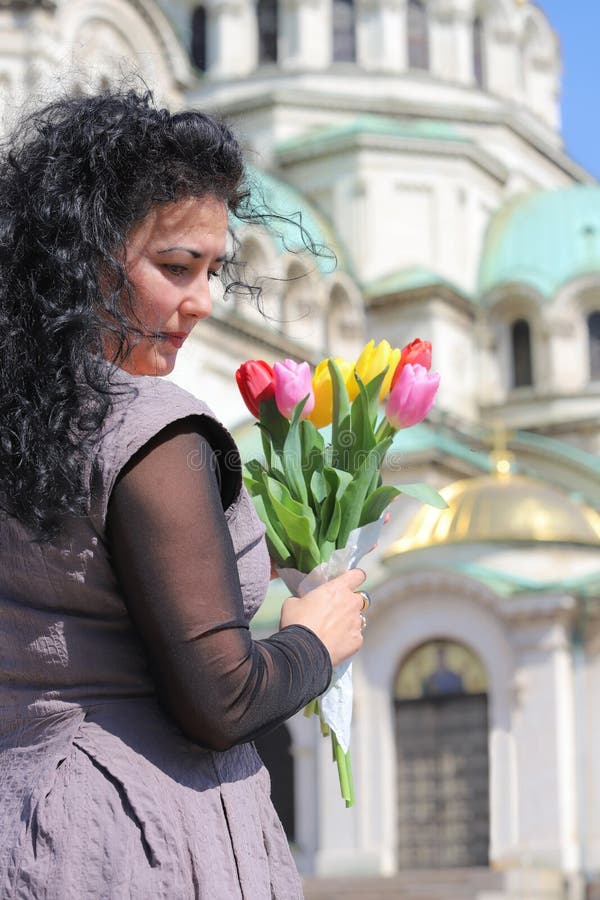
x: 446, y: 884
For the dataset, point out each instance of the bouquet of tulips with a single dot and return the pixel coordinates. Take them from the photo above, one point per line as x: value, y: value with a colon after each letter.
x: 321, y: 497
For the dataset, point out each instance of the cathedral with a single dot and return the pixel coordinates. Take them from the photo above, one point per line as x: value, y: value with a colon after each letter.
x: 413, y: 149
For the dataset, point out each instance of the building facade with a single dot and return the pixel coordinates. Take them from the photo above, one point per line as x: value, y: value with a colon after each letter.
x: 420, y: 142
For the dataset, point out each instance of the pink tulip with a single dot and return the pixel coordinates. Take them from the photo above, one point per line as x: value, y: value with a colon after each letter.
x: 412, y: 396
x: 293, y: 382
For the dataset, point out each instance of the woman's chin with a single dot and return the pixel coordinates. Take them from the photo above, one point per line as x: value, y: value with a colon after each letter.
x: 158, y: 364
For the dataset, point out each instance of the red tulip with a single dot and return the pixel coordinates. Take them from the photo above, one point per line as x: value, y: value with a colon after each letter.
x: 417, y: 353
x: 256, y: 382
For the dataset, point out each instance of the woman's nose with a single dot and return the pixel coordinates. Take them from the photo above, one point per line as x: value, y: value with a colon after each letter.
x: 198, y: 301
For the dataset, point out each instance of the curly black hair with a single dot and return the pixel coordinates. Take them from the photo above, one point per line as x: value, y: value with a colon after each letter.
x: 75, y: 177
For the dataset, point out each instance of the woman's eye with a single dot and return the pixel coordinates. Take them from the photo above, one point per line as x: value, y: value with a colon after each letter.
x: 175, y: 270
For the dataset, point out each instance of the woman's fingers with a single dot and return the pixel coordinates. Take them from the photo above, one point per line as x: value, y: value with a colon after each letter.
x: 351, y: 579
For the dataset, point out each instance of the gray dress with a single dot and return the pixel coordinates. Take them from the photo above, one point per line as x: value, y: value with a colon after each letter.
x: 101, y: 796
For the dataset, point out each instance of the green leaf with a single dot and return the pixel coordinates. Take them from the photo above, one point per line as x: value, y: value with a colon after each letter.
x: 298, y: 522
x: 342, y: 437
x: 364, y: 415
x: 354, y: 496
x: 371, y: 392
x: 272, y: 457
x: 425, y: 493
x: 331, y: 514
x: 327, y: 548
x: 312, y: 447
x: 376, y: 502
x: 362, y: 425
x: 274, y: 424
x: 255, y: 470
x: 278, y: 550
x: 291, y: 457
x: 318, y: 488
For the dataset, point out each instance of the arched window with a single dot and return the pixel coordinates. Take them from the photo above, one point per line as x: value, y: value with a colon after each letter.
x: 198, y: 48
x: 521, y: 353
x: 266, y: 12
x: 418, y: 35
x: 594, y: 338
x: 478, y: 52
x: 344, y: 34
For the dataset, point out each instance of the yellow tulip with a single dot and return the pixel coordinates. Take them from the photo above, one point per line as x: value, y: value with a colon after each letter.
x: 393, y: 361
x: 323, y: 390
x: 373, y: 360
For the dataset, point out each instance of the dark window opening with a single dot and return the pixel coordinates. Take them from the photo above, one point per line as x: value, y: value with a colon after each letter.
x: 266, y: 11
x: 594, y: 339
x: 521, y: 354
x: 478, y: 52
x: 199, y: 38
x: 344, y: 32
x: 418, y: 35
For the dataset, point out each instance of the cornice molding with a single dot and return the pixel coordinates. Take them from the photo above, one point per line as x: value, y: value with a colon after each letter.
x: 519, y: 609
x: 213, y: 95
x: 441, y: 293
x: 276, y: 343
x: 416, y: 146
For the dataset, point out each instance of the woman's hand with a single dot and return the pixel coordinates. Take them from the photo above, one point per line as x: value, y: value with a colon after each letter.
x: 332, y: 611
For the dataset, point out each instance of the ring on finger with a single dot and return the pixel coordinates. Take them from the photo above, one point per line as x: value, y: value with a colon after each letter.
x: 366, y: 598
x: 363, y: 621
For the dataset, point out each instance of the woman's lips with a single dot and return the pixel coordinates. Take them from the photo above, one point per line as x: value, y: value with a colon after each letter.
x: 176, y: 339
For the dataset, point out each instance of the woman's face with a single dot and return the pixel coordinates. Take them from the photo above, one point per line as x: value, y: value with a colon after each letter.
x: 171, y: 256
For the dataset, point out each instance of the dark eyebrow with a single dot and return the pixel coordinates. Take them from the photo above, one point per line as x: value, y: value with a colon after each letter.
x: 193, y: 253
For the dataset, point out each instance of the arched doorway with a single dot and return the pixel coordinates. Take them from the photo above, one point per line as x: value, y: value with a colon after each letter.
x: 442, y: 758
x: 275, y: 750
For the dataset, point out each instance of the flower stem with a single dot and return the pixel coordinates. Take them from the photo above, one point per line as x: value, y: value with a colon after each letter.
x: 310, y: 709
x: 344, y: 771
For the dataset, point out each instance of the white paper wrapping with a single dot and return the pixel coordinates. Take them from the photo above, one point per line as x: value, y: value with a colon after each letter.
x: 336, y: 702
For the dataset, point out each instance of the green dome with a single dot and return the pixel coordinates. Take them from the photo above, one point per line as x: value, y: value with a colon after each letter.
x: 269, y: 194
x: 543, y: 240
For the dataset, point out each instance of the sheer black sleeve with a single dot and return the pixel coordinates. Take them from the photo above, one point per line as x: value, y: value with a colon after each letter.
x: 174, y: 559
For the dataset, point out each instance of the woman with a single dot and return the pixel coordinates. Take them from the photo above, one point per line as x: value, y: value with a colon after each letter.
x: 131, y: 559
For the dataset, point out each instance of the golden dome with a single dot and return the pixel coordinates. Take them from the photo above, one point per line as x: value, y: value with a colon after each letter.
x: 501, y: 509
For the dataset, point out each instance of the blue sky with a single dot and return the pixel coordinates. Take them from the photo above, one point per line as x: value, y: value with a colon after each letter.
x: 578, y: 25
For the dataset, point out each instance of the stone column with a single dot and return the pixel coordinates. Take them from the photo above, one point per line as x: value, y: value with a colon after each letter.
x: 232, y: 42
x: 381, y: 34
x: 544, y: 732
x: 305, y: 34
x: 451, y: 41
x: 501, y: 61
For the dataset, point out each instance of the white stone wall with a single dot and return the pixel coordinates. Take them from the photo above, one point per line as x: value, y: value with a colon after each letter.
x: 85, y: 45
x: 426, y: 204
x: 521, y: 58
x: 563, y: 393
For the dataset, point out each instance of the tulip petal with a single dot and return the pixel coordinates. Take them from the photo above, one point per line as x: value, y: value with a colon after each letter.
x: 412, y: 396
